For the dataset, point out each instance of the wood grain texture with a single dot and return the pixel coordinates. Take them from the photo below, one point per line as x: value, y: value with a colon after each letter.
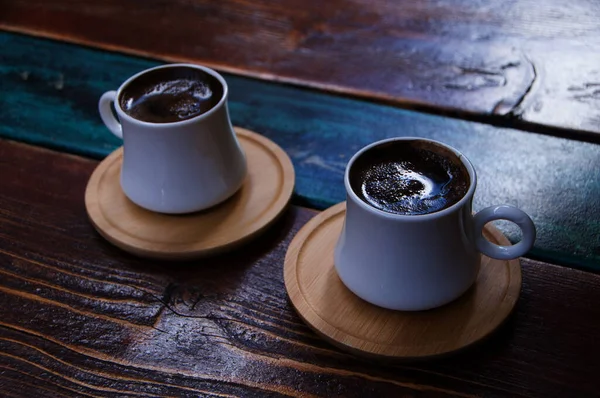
x: 49, y: 93
x: 79, y: 317
x: 521, y: 60
x: 334, y: 312
x: 259, y: 202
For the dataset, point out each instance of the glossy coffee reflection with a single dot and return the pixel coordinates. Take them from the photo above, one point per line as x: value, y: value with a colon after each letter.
x: 171, y: 95
x: 409, y: 177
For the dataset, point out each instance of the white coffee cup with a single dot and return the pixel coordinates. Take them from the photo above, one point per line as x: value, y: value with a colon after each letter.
x: 177, y: 167
x: 419, y: 262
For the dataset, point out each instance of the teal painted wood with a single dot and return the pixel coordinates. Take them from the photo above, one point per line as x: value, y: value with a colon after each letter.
x: 49, y: 91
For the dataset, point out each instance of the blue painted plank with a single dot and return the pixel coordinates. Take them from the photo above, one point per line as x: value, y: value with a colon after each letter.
x: 49, y: 91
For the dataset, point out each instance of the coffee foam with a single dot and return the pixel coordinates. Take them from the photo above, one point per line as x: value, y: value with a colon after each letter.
x: 171, y: 95
x: 403, y: 177
x: 196, y: 89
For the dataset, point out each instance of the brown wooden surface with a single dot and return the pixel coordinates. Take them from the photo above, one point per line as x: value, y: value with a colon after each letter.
x: 538, y: 61
x: 260, y: 201
x: 78, y: 317
x: 333, y: 311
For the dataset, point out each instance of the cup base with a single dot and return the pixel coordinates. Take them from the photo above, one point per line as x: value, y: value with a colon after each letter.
x: 150, y: 205
x: 385, y: 304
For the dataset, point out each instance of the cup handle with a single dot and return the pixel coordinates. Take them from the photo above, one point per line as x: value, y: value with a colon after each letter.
x: 510, y: 213
x: 107, y: 115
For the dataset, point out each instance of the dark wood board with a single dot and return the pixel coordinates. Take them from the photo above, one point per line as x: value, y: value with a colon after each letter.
x: 522, y: 60
x: 79, y: 317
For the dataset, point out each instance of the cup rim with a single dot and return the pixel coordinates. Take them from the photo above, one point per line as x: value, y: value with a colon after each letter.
x: 412, y: 217
x: 212, y: 72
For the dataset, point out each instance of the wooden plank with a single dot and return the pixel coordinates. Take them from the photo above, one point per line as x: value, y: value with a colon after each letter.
x: 49, y: 93
x: 522, y: 61
x: 79, y: 317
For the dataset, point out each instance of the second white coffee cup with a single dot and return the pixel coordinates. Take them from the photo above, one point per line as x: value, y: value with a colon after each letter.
x: 177, y: 167
x: 419, y: 262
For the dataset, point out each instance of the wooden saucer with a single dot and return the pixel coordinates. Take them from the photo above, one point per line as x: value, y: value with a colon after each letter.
x: 333, y: 311
x: 263, y: 196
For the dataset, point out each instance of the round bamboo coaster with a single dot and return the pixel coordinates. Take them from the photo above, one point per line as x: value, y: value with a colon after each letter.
x: 341, y: 317
x: 263, y: 196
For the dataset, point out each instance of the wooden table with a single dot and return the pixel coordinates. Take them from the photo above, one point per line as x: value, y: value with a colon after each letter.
x: 512, y: 85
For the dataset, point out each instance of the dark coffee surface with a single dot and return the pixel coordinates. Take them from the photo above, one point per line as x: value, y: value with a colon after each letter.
x: 409, y: 177
x: 171, y: 95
